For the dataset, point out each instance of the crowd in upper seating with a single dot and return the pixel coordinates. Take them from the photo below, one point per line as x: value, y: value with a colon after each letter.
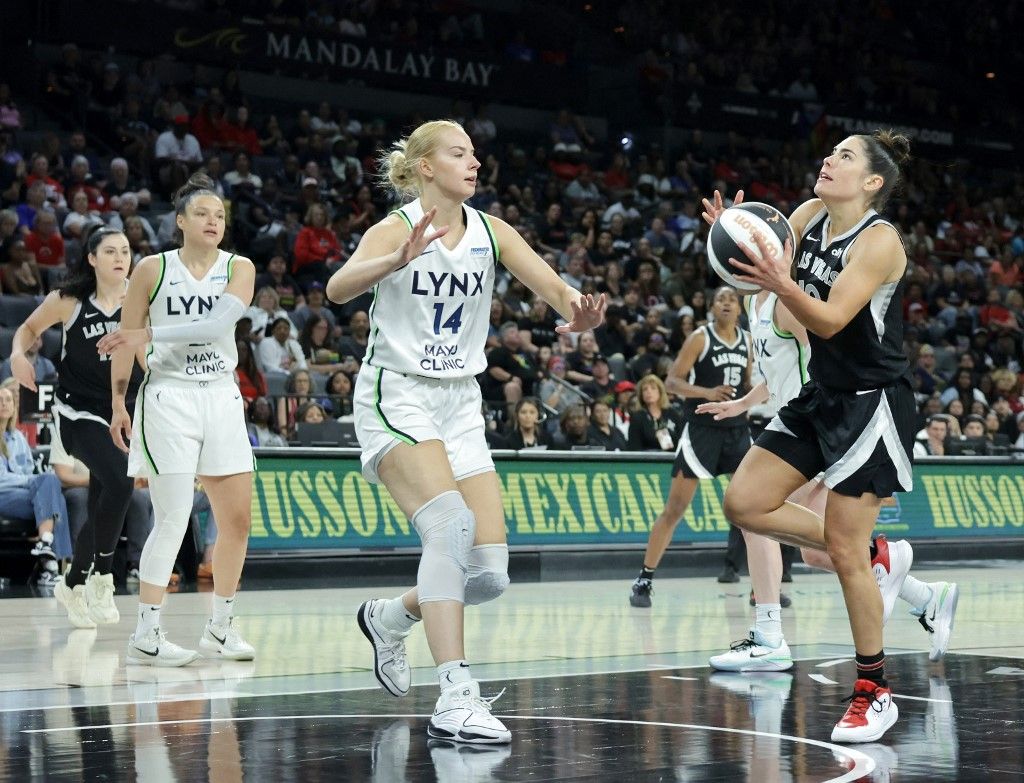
x: 608, y: 217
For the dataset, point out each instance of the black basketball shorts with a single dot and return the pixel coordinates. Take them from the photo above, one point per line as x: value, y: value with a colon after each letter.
x: 706, y: 452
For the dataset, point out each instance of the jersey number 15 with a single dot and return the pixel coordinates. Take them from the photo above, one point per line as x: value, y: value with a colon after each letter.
x: 454, y: 320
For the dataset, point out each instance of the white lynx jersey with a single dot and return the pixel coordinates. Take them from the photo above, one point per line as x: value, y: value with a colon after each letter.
x: 431, y: 317
x: 779, y: 355
x: 177, y: 298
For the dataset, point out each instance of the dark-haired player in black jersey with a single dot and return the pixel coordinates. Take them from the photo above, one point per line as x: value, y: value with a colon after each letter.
x: 88, y: 306
x: 713, y: 366
x: 854, y: 420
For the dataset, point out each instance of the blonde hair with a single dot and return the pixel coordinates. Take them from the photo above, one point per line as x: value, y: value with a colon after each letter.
x: 12, y: 423
x: 655, y: 381
x: 399, y: 166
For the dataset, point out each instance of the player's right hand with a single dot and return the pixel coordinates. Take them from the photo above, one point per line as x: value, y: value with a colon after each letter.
x: 23, y: 371
x: 721, y: 393
x: 121, y: 427
x: 419, y: 239
x: 721, y: 410
x: 713, y: 211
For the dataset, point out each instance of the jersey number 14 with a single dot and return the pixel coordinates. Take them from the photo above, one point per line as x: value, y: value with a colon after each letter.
x: 454, y: 320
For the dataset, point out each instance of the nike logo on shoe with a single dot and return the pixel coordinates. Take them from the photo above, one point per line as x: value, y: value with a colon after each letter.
x: 153, y: 654
x: 221, y: 641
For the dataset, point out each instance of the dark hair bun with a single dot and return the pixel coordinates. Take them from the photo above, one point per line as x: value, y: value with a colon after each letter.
x: 896, y: 144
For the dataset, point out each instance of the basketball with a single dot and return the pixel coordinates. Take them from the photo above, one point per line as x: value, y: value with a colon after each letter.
x: 738, y: 226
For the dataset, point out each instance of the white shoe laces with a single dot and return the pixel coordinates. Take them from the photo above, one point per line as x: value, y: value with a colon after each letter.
x: 104, y: 590
x: 397, y: 651
x: 478, y: 703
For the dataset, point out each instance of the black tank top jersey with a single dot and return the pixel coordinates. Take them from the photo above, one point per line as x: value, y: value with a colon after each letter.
x: 83, y: 376
x: 720, y: 363
x: 867, y: 353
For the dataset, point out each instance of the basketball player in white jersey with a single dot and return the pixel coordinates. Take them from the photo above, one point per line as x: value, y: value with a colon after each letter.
x: 189, y: 420
x: 782, y: 352
x: 418, y: 406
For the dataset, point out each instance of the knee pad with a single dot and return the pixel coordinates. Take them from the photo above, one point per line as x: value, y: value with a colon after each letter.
x: 172, y: 506
x: 446, y: 528
x: 487, y: 576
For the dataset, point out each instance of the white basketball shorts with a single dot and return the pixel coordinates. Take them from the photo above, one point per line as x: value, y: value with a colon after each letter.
x: 392, y: 408
x: 197, y: 429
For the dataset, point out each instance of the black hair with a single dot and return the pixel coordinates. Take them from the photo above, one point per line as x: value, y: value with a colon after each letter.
x: 82, y: 284
x: 887, y: 152
x: 198, y: 184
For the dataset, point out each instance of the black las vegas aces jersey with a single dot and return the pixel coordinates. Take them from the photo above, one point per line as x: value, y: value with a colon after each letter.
x: 719, y: 364
x: 83, y: 376
x: 867, y: 353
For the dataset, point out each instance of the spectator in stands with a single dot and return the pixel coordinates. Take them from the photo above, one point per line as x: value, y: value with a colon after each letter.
x: 602, y: 432
x: 266, y: 312
x: 310, y: 413
x: 239, y: 135
x: 20, y: 272
x: 251, y: 381
x: 955, y: 413
x: 8, y: 227
x: 525, y: 431
x: 27, y: 496
x: 289, y: 295
x: 298, y: 391
x: 35, y: 202
x: 555, y: 390
x: 338, y: 401
x: 654, y: 424
x: 138, y: 238
x: 649, y: 360
x: 280, y: 352
x: 39, y: 171
x: 320, y: 349
x: 242, y: 176
x: 317, y: 249
x: 81, y: 179
x: 580, y: 363
x: 962, y: 387
x: 573, y: 429
x: 925, y: 379
x: 80, y: 220
x: 176, y: 154
x: 262, y: 429
x: 354, y: 344
x: 601, y: 384
x: 44, y: 369
x: 974, y: 426
x: 10, y: 117
x: 511, y: 373
x: 934, y: 442
x: 44, y: 241
x: 315, y: 305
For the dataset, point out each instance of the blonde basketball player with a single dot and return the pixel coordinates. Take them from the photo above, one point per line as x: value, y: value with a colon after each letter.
x: 418, y: 407
x: 189, y: 419
x: 782, y: 352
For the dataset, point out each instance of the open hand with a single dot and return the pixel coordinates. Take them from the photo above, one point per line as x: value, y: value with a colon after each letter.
x: 586, y: 315
x: 122, y: 337
x: 761, y: 269
x: 419, y: 239
x: 713, y: 210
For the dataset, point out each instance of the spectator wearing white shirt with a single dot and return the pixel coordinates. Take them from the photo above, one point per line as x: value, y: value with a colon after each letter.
x: 242, y: 176
x: 177, y: 154
x: 266, y: 312
x: 281, y: 353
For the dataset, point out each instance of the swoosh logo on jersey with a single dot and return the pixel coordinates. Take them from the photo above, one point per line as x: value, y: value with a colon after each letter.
x: 717, y: 347
x: 426, y: 252
x: 866, y: 391
x: 91, y: 315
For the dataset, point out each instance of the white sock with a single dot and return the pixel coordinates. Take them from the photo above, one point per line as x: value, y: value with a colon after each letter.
x: 222, y: 610
x: 396, y: 617
x: 915, y: 592
x: 47, y: 537
x: 768, y: 623
x: 453, y: 673
x: 149, y: 618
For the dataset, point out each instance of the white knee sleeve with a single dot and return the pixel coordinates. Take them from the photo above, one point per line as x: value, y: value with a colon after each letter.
x: 446, y: 527
x: 172, y: 505
x: 487, y: 576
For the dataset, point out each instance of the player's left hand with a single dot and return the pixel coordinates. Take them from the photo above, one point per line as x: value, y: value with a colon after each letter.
x: 122, y: 337
x: 722, y: 410
x: 760, y: 269
x: 586, y: 315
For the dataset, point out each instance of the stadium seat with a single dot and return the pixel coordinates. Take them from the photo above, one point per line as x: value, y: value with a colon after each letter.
x: 15, y: 309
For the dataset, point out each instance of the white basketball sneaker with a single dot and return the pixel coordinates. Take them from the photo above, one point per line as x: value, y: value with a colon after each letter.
x: 937, y: 616
x: 389, y: 661
x: 871, y: 713
x: 154, y: 649
x: 462, y: 715
x: 73, y: 599
x: 99, y: 595
x: 891, y: 565
x: 225, y: 642
x: 754, y: 654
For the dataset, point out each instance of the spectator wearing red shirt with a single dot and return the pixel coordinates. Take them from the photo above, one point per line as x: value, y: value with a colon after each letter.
x: 41, y: 171
x: 45, y: 242
x: 251, y: 382
x: 239, y: 136
x: 316, y: 247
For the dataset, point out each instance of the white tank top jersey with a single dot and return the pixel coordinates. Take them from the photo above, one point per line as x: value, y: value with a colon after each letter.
x: 178, y: 298
x: 431, y: 317
x: 780, y: 357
